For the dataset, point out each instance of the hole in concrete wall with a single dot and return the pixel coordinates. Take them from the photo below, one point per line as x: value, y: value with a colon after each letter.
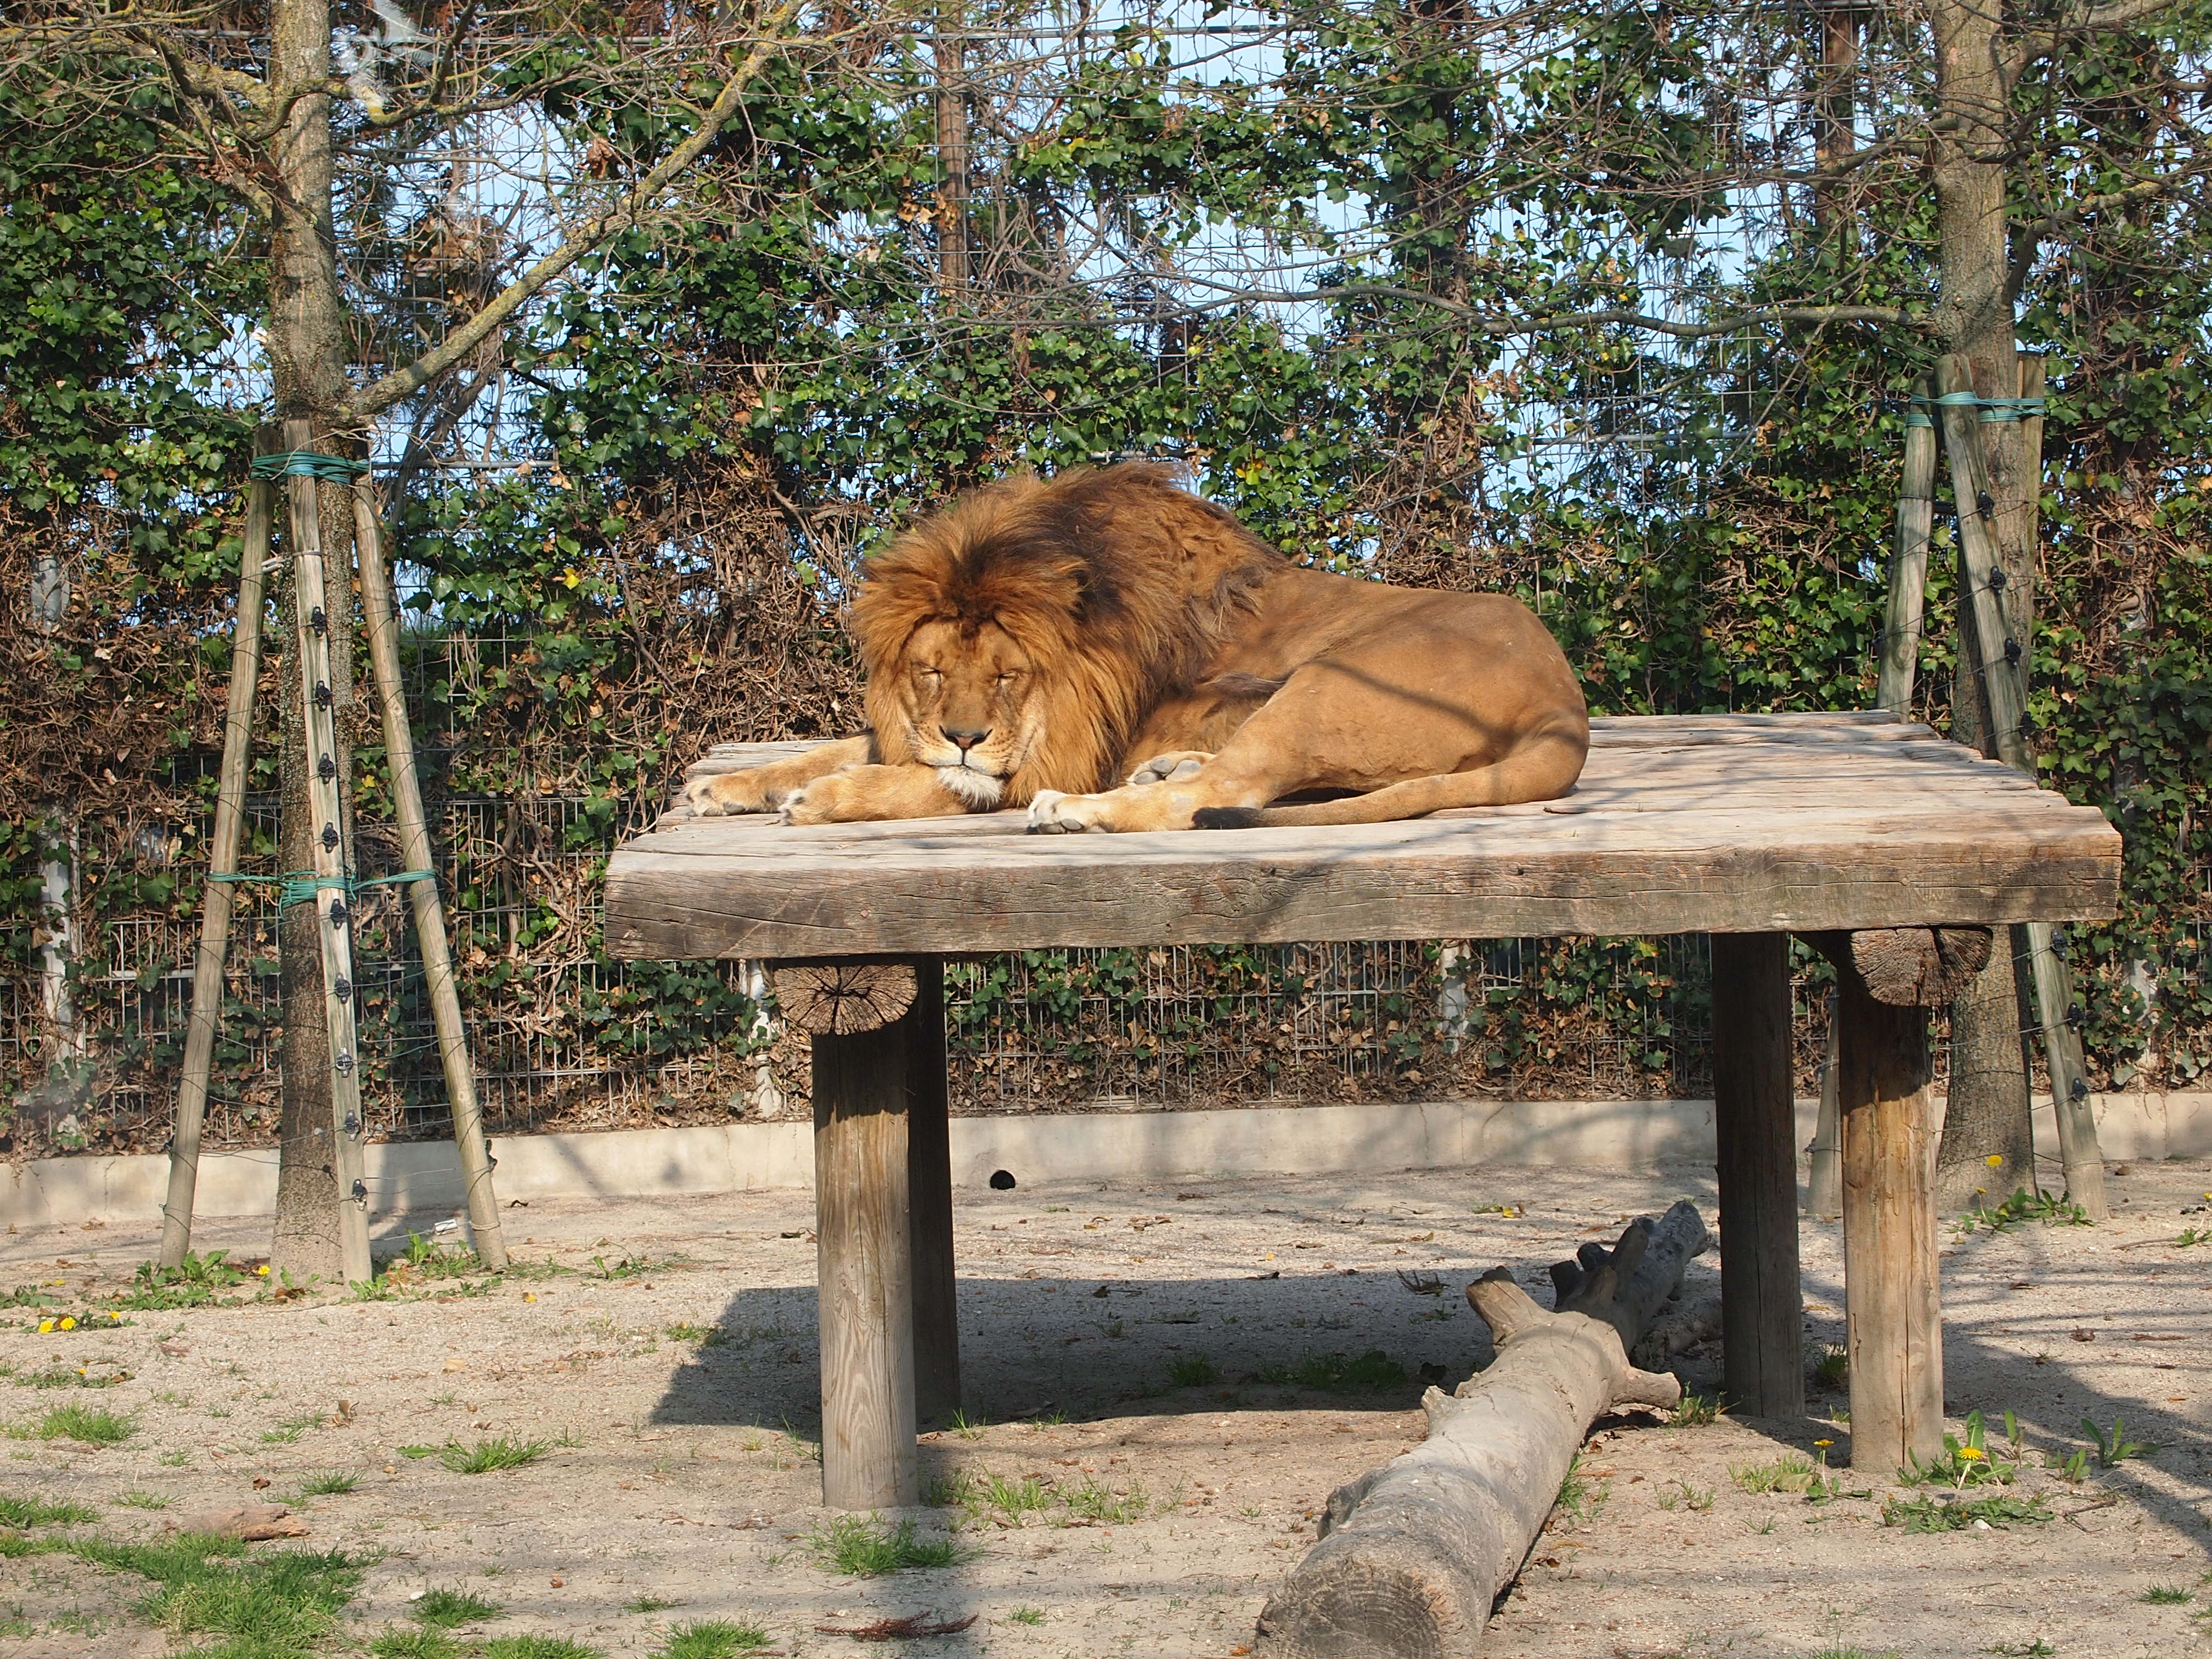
x: 1002, y: 1181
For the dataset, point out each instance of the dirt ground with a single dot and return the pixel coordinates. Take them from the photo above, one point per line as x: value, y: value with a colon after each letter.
x: 1116, y: 1339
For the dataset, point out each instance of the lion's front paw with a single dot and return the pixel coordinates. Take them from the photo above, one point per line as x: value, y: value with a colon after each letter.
x: 1052, y: 813
x: 797, y: 808
x: 729, y: 792
x: 1173, y: 767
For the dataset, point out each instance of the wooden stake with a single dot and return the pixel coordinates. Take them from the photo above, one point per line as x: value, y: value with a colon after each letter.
x: 216, y: 899
x: 929, y: 1193
x: 1890, y: 1296
x: 416, y: 850
x: 1824, y: 1182
x: 864, y: 1230
x: 333, y: 862
x: 1908, y: 566
x: 2003, y: 664
x: 1754, y: 1119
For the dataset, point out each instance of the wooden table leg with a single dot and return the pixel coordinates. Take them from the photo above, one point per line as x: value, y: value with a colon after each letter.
x: 929, y: 1187
x: 1890, y: 1293
x: 866, y: 1270
x: 1762, y: 1307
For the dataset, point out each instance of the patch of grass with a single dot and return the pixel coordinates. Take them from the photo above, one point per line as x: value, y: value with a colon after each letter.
x: 1791, y: 1471
x: 2114, y: 1448
x: 288, y: 1432
x: 175, y: 1460
x: 417, y: 1453
x: 632, y: 1266
x: 968, y: 1428
x: 143, y: 1500
x: 1095, y: 1501
x: 1581, y: 1495
x: 867, y: 1548
x: 1373, y: 1372
x: 714, y: 1639
x: 707, y: 1336
x: 490, y: 1456
x: 414, y: 1644
x: 1844, y: 1650
x: 62, y: 1376
x: 537, y: 1647
x: 1956, y: 1514
x: 648, y: 1604
x: 329, y: 1483
x: 1685, y: 1496
x: 1832, y: 1366
x: 450, y: 1609
x: 83, y: 1424
x: 2167, y: 1595
x: 1193, y: 1372
x: 2039, y: 1649
x: 284, y: 1606
x: 1697, y: 1410
x: 36, y: 1512
x: 1026, y: 1616
x: 1011, y: 1499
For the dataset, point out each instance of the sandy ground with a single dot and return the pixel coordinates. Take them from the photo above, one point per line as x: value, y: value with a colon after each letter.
x: 688, y: 1475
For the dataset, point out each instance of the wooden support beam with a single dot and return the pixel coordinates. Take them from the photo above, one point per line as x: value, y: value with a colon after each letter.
x: 865, y: 1257
x: 1908, y: 564
x: 929, y: 1196
x: 1892, y: 1305
x: 215, y: 899
x: 1754, y: 1119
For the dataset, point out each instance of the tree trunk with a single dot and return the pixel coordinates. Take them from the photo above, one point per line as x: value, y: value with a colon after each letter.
x: 1413, y: 1554
x: 1987, y: 1113
x: 306, y: 359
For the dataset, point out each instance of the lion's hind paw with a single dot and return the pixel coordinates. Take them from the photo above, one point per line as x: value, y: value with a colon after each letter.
x: 726, y: 794
x: 1053, y: 813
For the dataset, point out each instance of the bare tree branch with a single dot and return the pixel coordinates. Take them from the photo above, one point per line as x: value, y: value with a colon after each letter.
x: 380, y: 394
x: 2097, y: 20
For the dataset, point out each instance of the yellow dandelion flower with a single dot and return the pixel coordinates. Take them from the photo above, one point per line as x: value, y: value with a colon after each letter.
x: 263, y: 1270
x: 69, y: 1324
x: 1824, y: 1443
x: 1971, y: 1454
x: 45, y: 1325
x: 1993, y: 1160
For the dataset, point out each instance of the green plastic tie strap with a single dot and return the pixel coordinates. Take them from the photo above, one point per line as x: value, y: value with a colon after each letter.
x: 301, y: 886
x: 1993, y: 409
x: 306, y: 463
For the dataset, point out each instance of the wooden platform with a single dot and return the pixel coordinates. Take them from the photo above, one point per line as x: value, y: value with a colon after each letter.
x: 1699, y: 824
x: 1749, y: 828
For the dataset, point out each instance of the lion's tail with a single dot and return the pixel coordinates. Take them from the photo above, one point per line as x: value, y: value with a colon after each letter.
x: 1542, y: 769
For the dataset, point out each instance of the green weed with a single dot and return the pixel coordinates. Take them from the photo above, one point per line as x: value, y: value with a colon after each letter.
x: 143, y: 1500
x: 1957, y: 1514
x: 274, y: 1607
x: 1964, y: 1463
x: 1685, y: 1496
x: 1026, y: 1616
x: 1581, y: 1497
x: 417, y: 1453
x: 2022, y: 1206
x: 288, y: 1432
x: 2167, y: 1595
x: 714, y: 1639
x: 414, y: 1644
x: 707, y: 1336
x: 2191, y: 1236
x: 196, y: 1282
x: 450, y: 1609
x: 1832, y: 1367
x: 330, y: 1483
x: 1792, y: 1472
x: 967, y: 1427
x: 867, y: 1548
x: 648, y: 1604
x: 2114, y: 1448
x: 1095, y: 1501
x: 537, y: 1647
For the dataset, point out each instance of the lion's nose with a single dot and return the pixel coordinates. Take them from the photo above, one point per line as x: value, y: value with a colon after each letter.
x: 968, y: 739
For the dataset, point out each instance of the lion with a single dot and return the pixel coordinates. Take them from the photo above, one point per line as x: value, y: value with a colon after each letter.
x: 1113, y: 653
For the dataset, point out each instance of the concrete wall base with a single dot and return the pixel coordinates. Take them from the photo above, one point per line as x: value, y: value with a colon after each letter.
x: 416, y: 1177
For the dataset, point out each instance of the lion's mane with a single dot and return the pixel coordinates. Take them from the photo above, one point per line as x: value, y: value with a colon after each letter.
x: 1118, y: 584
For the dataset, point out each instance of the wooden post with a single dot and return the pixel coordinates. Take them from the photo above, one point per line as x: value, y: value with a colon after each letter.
x: 216, y: 900
x: 865, y: 1269
x: 2002, y: 654
x: 952, y: 265
x: 333, y: 860
x: 382, y: 618
x: 929, y: 1192
x: 1754, y: 1119
x: 1891, y: 1299
x: 1908, y: 566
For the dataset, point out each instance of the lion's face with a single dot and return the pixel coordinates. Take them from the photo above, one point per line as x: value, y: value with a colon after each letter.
x: 970, y: 697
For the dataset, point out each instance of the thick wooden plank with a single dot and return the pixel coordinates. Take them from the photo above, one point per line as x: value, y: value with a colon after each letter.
x: 865, y: 1270
x: 929, y: 1196
x: 1762, y: 1306
x: 1891, y: 1303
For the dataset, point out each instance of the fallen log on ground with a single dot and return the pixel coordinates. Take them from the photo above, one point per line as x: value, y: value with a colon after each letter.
x: 1413, y: 1554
